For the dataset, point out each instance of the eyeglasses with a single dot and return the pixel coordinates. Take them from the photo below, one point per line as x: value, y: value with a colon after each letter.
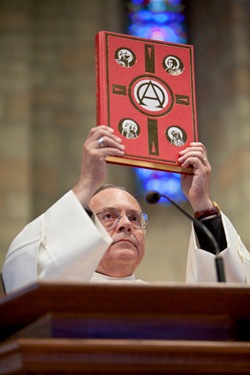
x: 110, y: 217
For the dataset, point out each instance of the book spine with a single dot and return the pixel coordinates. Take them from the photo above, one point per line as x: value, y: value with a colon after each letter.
x: 100, y: 64
x: 194, y: 119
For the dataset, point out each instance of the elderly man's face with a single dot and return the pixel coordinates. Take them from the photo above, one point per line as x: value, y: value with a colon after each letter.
x: 127, y: 250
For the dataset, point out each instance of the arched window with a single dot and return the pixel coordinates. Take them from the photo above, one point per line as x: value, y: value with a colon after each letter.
x: 160, y: 20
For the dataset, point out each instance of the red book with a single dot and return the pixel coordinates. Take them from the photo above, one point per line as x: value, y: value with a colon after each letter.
x: 146, y: 93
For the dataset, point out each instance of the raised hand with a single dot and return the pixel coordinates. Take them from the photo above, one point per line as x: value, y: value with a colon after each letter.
x: 196, y: 187
x: 100, y: 143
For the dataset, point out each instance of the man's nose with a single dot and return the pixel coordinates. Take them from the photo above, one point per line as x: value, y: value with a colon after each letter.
x: 124, y: 224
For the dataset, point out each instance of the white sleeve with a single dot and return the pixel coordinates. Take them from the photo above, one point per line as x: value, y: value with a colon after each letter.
x: 236, y: 258
x: 62, y: 244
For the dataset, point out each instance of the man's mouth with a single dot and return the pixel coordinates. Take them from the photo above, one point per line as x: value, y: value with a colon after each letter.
x: 124, y: 240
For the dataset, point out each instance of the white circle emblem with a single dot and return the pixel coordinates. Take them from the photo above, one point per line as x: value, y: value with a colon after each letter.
x: 151, y: 95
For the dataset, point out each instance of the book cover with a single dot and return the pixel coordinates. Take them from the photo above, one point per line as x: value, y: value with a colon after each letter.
x: 146, y: 93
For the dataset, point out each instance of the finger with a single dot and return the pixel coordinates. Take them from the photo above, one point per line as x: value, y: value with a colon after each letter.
x: 108, y: 141
x: 198, y: 144
x: 102, y: 153
x: 102, y: 127
x: 194, y: 153
x: 104, y: 147
x: 196, y: 163
x: 194, y: 146
x: 98, y: 132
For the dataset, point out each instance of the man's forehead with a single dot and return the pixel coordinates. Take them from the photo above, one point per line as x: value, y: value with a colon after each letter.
x: 113, y: 197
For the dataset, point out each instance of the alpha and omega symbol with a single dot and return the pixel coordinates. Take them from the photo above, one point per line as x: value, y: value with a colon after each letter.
x: 151, y: 95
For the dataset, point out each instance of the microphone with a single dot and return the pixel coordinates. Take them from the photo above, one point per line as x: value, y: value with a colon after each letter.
x: 153, y: 197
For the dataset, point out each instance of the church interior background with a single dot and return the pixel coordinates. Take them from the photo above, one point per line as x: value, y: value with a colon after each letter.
x: 47, y: 107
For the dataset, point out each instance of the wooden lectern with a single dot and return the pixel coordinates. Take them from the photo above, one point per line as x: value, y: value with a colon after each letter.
x: 57, y: 328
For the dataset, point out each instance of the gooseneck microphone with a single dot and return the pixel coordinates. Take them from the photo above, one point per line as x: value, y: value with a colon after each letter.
x: 153, y: 197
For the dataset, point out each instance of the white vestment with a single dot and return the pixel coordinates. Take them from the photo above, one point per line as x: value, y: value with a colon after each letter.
x: 65, y: 244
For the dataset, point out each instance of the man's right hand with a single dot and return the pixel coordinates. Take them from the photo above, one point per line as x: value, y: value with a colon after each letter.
x: 100, y: 143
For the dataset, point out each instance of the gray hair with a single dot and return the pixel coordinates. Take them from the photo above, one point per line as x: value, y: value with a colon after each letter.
x: 109, y: 186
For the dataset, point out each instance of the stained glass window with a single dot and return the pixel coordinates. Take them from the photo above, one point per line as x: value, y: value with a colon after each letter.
x: 160, y: 20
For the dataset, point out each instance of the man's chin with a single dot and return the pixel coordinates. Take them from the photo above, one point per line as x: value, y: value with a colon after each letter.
x: 124, y: 253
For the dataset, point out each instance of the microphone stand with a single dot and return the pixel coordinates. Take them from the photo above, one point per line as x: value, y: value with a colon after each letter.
x: 153, y: 197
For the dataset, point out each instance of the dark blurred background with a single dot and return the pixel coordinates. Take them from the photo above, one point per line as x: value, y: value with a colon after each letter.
x: 47, y: 106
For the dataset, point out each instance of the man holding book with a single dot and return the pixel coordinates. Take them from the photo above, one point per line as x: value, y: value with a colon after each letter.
x: 69, y: 243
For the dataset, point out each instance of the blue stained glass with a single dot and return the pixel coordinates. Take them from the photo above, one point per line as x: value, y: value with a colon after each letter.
x: 175, y: 2
x: 161, y: 20
x: 157, y: 19
x: 157, y: 6
x: 144, y: 15
x: 162, y: 17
